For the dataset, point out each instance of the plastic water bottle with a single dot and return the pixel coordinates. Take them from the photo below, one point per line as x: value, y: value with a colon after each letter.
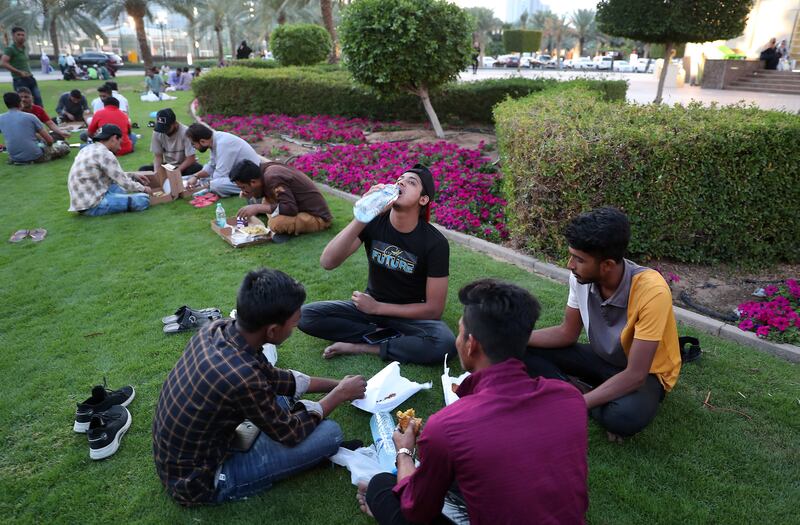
x: 221, y: 220
x: 382, y: 426
x: 368, y: 207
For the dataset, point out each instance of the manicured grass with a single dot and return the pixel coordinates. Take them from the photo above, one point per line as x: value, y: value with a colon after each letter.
x: 87, y: 303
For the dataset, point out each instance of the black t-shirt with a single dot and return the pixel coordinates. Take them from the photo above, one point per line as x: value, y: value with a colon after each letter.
x: 400, y: 263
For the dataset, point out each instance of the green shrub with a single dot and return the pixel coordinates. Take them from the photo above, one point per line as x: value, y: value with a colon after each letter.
x: 256, y: 63
x: 300, y: 44
x: 522, y: 40
x: 329, y: 90
x: 698, y: 184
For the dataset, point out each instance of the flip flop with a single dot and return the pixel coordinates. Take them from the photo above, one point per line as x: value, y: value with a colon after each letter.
x: 19, y: 235
x: 204, y: 200
x: 38, y: 234
x: 180, y: 311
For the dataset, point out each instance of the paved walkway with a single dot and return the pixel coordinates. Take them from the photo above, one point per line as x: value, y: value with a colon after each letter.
x: 642, y: 88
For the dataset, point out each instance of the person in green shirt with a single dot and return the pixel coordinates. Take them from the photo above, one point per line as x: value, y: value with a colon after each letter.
x: 92, y: 72
x: 15, y: 60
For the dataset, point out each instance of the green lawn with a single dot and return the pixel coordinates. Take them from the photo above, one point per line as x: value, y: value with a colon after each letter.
x: 87, y: 303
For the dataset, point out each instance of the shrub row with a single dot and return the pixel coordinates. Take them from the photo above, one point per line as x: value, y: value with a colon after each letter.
x: 329, y: 90
x: 256, y: 63
x: 700, y: 184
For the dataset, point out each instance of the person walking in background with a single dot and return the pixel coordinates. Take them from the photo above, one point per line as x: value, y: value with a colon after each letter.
x: 45, y: 60
x: 476, y: 53
x: 15, y: 60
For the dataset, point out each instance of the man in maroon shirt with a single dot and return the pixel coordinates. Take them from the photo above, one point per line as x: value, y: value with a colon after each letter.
x: 27, y: 106
x: 514, y: 446
x: 111, y: 114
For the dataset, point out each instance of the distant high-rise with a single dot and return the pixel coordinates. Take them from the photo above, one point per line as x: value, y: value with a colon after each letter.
x: 515, y: 8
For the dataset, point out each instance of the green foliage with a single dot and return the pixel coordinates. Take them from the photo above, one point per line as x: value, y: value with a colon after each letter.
x: 403, y: 45
x: 300, y: 44
x: 495, y: 48
x: 657, y: 50
x: 674, y: 21
x: 522, y: 40
x: 256, y: 63
x: 699, y: 184
x: 329, y: 90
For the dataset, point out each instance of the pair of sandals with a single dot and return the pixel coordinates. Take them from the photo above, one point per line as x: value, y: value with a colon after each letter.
x: 204, y: 200
x: 36, y: 235
x: 186, y: 319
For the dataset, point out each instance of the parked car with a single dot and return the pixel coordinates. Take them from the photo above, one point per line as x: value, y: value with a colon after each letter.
x: 513, y: 61
x: 644, y: 65
x: 100, y: 58
x: 489, y: 61
x: 602, y: 63
x: 501, y: 61
x: 623, y: 66
x: 583, y: 63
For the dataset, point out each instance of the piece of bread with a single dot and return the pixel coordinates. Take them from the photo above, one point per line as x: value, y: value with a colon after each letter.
x: 404, y: 418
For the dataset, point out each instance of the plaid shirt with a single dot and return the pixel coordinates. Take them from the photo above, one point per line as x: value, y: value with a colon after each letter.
x: 94, y: 170
x: 218, y: 382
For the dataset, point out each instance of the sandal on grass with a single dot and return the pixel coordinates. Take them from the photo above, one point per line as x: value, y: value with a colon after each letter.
x: 19, y: 235
x: 189, y: 321
x: 38, y: 234
x: 180, y: 312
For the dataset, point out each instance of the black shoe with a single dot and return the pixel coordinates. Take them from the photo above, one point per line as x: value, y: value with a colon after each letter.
x: 102, y: 399
x: 106, y: 430
x: 280, y: 238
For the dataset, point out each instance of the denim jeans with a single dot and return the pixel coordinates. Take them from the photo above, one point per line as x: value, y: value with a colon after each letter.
x: 30, y: 83
x: 116, y: 200
x: 247, y: 473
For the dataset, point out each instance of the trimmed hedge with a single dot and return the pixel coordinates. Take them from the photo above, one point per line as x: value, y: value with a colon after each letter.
x: 300, y: 44
x: 256, y: 63
x: 329, y: 90
x: 699, y: 184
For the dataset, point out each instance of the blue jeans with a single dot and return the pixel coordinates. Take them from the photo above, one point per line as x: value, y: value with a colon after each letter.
x: 117, y: 200
x: 30, y: 83
x: 247, y: 473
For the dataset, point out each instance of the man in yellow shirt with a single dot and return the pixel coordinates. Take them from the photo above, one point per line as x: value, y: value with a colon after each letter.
x: 633, y: 357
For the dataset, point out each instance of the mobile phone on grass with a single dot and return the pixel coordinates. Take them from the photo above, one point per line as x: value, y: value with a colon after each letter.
x: 380, y: 335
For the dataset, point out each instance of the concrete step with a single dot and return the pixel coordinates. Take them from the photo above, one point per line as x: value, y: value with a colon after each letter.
x: 754, y: 87
x: 776, y: 82
x: 770, y: 73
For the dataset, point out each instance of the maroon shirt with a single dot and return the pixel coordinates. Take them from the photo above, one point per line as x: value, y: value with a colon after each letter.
x: 515, y: 446
x: 39, y: 112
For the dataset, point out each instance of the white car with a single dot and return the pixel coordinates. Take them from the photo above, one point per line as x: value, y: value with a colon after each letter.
x: 623, y: 66
x: 641, y: 65
x: 489, y: 61
x: 603, y: 63
x: 583, y: 63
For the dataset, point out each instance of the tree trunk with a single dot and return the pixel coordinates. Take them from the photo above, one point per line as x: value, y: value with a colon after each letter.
x: 218, y: 31
x: 426, y: 102
x: 581, y: 41
x: 141, y: 36
x: 558, y: 52
x: 327, y: 19
x: 192, y: 36
x: 232, y: 35
x: 663, y: 76
x: 54, y: 37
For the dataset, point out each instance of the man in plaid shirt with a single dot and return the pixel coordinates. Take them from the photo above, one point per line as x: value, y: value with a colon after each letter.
x: 97, y: 185
x: 223, y: 378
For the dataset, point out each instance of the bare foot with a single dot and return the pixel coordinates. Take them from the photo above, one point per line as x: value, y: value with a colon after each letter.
x: 615, y: 438
x: 361, y: 496
x: 349, y: 349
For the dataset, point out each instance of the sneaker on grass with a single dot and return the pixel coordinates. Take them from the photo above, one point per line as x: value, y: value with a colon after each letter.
x: 106, y: 430
x: 102, y: 399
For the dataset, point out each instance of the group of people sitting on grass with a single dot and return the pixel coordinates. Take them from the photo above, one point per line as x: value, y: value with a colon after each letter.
x: 512, y: 449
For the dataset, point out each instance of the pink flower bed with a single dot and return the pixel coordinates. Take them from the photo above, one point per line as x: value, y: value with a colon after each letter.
x: 467, y: 186
x: 312, y: 128
x: 778, y: 318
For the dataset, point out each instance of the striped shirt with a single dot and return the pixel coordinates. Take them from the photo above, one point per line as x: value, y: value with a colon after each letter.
x: 94, y: 170
x: 218, y: 382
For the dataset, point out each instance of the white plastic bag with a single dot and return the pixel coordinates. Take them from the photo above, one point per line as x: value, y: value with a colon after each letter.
x: 387, y: 389
x: 362, y: 463
x: 448, y: 382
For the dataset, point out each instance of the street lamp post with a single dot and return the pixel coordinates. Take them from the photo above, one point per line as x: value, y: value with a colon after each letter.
x: 162, y: 23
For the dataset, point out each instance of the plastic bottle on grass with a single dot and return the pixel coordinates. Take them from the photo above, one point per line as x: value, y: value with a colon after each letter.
x: 382, y: 426
x: 220, y: 213
x: 369, y: 206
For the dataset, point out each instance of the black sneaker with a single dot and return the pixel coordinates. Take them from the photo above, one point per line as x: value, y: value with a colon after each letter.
x: 102, y: 399
x: 106, y: 430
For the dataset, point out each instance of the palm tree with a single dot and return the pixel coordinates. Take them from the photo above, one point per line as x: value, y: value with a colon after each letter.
x: 539, y: 21
x: 559, y: 30
x: 583, y: 21
x: 485, y: 24
x: 523, y: 19
x: 327, y: 17
x: 137, y: 10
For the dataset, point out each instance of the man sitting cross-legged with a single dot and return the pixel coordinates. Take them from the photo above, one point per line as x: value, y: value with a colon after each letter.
x: 294, y: 204
x: 227, y: 150
x: 170, y: 145
x: 97, y: 185
x: 409, y: 263
x: 512, y: 447
x: 633, y: 357
x: 27, y: 106
x: 72, y: 107
x: 26, y: 137
x: 224, y: 378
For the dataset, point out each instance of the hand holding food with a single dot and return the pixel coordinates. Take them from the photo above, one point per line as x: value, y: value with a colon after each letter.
x: 404, y: 418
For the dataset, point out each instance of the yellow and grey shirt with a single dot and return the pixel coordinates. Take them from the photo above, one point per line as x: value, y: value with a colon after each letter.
x: 641, y: 308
